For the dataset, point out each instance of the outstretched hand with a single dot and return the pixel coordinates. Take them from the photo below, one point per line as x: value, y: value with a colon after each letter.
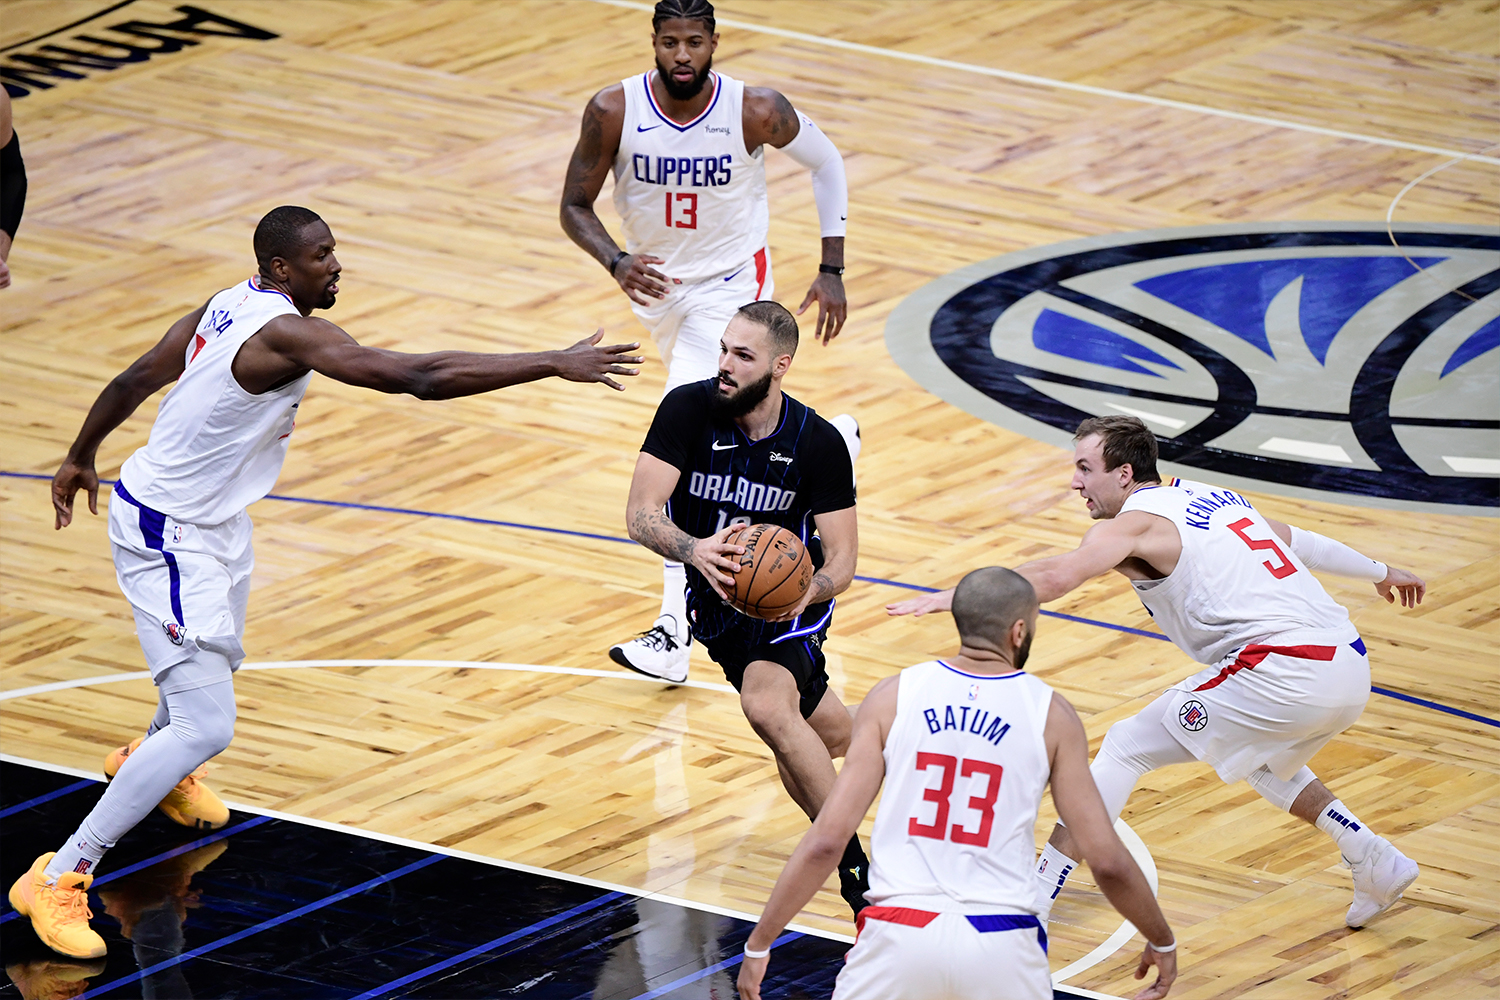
x: 924, y: 605
x: 69, y: 480
x: 586, y: 361
x: 828, y: 291
x: 1411, y: 587
x: 1166, y: 972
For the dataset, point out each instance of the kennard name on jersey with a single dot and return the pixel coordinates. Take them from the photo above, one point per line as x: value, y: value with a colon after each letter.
x: 800, y: 470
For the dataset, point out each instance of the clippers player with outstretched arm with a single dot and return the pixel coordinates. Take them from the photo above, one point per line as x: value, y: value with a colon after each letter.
x: 686, y: 145
x: 179, y: 532
x: 735, y: 450
x: 1286, y: 673
x: 965, y: 747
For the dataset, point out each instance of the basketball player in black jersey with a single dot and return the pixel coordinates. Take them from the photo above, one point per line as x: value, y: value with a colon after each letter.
x: 736, y: 450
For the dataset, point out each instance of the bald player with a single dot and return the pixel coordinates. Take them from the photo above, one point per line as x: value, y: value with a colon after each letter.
x: 965, y: 746
x: 1286, y: 671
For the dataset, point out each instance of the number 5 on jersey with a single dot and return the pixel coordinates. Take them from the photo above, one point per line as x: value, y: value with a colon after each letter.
x: 984, y: 804
x: 687, y: 209
x: 1280, y: 570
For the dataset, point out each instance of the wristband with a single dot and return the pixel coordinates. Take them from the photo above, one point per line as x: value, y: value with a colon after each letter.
x: 1160, y: 950
x: 830, y: 269
x: 616, y: 262
x: 750, y: 953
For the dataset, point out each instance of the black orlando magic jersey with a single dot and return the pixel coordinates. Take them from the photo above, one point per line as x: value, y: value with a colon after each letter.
x: 800, y: 470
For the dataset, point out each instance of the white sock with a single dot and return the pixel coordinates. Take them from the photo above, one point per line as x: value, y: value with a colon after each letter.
x: 1355, y: 840
x: 82, y: 854
x: 1052, y: 870
x: 674, y: 598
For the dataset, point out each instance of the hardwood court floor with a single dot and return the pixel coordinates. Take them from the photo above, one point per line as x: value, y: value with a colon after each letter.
x: 432, y: 136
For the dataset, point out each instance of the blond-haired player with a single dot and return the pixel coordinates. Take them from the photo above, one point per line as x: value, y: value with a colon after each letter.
x: 1287, y: 671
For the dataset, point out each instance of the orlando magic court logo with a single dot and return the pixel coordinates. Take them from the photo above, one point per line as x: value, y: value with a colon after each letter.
x: 1192, y: 715
x: 1308, y: 359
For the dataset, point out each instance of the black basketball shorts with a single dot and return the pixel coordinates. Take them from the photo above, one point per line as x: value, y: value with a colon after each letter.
x: 734, y: 650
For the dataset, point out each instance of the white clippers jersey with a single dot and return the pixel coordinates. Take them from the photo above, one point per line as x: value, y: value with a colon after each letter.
x: 1235, y: 583
x: 690, y: 194
x: 215, y: 449
x: 965, y: 769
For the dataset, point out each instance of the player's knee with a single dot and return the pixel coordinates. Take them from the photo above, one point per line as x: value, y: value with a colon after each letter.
x: 769, y: 716
x: 1120, y: 747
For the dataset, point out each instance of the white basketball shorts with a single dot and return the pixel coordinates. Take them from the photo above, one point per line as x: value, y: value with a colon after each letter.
x: 687, y: 324
x: 1274, y: 704
x: 908, y: 954
x: 188, y: 584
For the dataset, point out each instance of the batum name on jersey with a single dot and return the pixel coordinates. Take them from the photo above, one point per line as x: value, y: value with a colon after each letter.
x: 798, y: 471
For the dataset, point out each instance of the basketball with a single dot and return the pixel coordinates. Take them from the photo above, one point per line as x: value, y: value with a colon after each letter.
x: 775, y: 571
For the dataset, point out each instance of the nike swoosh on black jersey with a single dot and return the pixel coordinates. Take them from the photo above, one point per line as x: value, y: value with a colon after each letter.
x: 718, y: 447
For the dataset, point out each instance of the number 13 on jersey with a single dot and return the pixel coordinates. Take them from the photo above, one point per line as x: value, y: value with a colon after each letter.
x: 984, y: 804
x: 686, y: 214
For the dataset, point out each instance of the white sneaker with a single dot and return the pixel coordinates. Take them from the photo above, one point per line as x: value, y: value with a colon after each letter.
x: 659, y: 652
x: 1379, y: 880
x: 849, y: 428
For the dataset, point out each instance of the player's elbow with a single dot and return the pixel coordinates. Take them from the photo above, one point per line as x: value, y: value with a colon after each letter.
x: 1112, y: 868
x: 824, y: 847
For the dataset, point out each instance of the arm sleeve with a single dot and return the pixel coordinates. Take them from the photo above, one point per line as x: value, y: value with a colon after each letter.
x: 833, y: 489
x: 12, y: 185
x: 814, y: 150
x: 670, y: 436
x: 1319, y: 552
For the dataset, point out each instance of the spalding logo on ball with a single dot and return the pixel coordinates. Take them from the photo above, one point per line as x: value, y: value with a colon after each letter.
x: 775, y: 571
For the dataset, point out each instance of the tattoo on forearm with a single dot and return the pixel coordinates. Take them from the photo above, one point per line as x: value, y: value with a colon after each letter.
x: 652, y: 529
x: 821, y: 587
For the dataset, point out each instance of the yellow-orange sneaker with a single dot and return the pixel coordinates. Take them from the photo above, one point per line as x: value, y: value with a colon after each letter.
x: 192, y: 803
x: 59, y: 913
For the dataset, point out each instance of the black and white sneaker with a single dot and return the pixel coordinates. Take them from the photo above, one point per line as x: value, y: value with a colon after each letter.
x: 659, y: 652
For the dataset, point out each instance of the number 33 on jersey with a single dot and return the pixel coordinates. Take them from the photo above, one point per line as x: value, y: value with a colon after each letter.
x: 966, y: 765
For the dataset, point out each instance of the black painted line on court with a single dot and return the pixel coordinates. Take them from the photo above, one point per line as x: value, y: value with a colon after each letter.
x: 488, y: 946
x: 56, y: 793
x: 693, y: 977
x: 265, y: 925
x: 1412, y: 699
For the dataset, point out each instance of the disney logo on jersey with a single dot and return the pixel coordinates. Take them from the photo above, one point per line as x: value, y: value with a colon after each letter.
x: 682, y: 171
x: 741, y: 492
x: 777, y: 456
x: 1307, y: 359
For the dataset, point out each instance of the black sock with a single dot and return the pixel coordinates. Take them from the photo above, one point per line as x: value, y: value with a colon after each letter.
x: 854, y: 856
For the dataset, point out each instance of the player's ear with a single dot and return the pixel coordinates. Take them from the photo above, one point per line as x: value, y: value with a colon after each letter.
x: 780, y: 365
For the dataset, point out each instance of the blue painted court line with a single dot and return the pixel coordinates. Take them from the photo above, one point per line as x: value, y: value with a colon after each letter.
x: 264, y: 925
x: 693, y: 977
x: 1432, y: 704
x: 48, y: 797
x: 157, y: 859
x: 499, y: 942
x: 1461, y: 713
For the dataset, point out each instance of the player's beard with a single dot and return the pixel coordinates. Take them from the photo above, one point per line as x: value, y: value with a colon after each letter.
x: 1023, y: 651
x: 683, y: 92
x: 744, y: 399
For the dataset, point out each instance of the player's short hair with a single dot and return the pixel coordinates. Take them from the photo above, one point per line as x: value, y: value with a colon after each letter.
x: 1126, y: 440
x: 988, y: 601
x: 279, y: 233
x: 778, y: 321
x: 687, y: 10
